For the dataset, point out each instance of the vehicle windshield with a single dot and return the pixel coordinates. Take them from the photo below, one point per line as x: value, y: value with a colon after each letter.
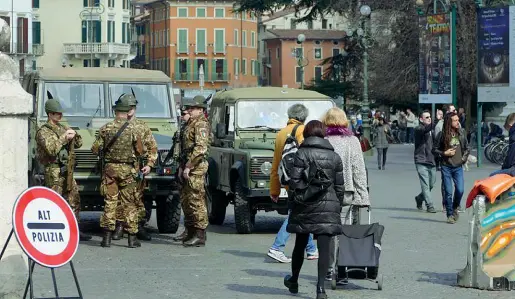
x: 153, y: 99
x: 77, y: 99
x: 274, y: 114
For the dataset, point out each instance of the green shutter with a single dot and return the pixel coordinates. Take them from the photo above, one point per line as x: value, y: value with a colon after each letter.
x: 85, y: 3
x: 183, y: 41
x: 36, y: 33
x: 213, y: 70
x: 219, y: 41
x: 114, y: 31
x: 219, y: 12
x: 109, y: 31
x: 123, y: 32
x: 177, y: 69
x: 195, y: 69
x: 97, y: 3
x: 98, y: 31
x: 201, y: 41
x: 129, y: 33
x: 188, y: 70
x: 225, y: 75
x: 258, y: 66
x: 84, y: 31
x: 35, y: 3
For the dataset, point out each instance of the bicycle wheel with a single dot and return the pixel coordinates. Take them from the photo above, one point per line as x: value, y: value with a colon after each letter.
x: 497, y: 153
x: 488, y: 151
x: 504, y: 151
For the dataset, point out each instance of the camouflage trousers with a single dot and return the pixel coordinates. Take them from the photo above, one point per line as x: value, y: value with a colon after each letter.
x: 193, y: 201
x: 56, y: 182
x: 119, y: 188
x: 140, y: 204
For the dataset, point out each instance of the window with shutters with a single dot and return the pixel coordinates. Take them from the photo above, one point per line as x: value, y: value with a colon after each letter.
x: 199, y: 62
x: 336, y: 52
x: 36, y: 32
x: 110, y: 32
x: 324, y: 24
x: 236, y: 70
x: 201, y: 12
x: 293, y: 25
x: 124, y: 33
x: 318, y: 74
x: 220, y: 68
x: 252, y: 39
x: 111, y: 3
x: 252, y: 67
x: 219, y: 40
x: 201, y: 41
x: 244, y: 38
x: 236, y: 39
x: 35, y: 3
x: 219, y: 12
x: 317, y: 53
x: 298, y: 74
x: 92, y: 3
x: 182, y: 40
x: 244, y: 66
x: 182, y: 12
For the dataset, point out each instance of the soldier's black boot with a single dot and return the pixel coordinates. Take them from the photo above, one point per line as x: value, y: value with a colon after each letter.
x: 118, y: 231
x: 84, y: 237
x: 106, y: 239
x: 133, y: 241
x: 198, y: 240
x: 143, y: 234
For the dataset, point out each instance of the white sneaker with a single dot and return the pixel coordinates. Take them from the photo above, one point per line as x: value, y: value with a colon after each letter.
x: 278, y: 256
x: 312, y: 255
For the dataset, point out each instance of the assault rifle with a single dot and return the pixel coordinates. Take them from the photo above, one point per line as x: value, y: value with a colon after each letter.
x: 71, y: 165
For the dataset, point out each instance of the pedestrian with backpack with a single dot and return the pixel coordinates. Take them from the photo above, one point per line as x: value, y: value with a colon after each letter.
x: 287, y: 142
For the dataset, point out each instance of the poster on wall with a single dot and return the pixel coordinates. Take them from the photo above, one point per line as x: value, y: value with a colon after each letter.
x: 435, y: 59
x: 495, y: 25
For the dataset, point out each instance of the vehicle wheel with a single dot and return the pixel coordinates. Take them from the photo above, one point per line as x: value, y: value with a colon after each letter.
x: 380, y: 282
x: 243, y: 216
x: 168, y: 213
x: 148, y: 209
x: 216, y: 203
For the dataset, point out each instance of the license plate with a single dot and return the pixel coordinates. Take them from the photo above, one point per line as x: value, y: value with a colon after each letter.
x: 284, y: 193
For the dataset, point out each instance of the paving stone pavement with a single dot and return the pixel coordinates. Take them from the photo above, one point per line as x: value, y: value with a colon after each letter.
x: 421, y: 254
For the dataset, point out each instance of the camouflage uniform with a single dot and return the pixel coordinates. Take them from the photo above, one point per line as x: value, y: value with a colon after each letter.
x: 52, y: 153
x: 119, y: 175
x: 195, y: 141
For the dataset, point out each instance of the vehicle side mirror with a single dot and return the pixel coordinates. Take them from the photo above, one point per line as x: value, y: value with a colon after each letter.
x: 220, y: 131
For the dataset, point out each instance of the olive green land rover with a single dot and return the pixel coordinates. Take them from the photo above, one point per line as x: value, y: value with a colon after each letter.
x: 87, y: 96
x: 244, y: 124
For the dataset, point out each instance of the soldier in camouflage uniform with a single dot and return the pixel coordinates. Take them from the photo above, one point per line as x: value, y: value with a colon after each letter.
x: 52, y: 141
x: 193, y: 168
x: 119, y: 176
x: 150, y: 153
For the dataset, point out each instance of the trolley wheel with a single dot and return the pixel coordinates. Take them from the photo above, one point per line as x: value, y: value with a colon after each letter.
x: 380, y: 282
x: 333, y: 282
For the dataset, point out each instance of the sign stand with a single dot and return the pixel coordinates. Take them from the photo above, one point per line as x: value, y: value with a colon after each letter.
x: 48, y: 232
x: 30, y: 285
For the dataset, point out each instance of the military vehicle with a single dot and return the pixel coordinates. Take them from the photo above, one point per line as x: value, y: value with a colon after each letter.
x: 244, y: 123
x: 87, y: 96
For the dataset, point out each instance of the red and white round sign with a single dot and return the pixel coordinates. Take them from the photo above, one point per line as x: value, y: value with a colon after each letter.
x: 45, y: 227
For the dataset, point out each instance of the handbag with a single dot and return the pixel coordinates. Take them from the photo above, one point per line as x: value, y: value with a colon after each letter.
x: 365, y: 144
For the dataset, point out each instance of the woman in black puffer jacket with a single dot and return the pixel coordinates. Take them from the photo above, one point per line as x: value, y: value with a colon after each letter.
x: 317, y: 192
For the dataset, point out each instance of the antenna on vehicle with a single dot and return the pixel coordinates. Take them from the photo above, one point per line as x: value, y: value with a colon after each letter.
x: 50, y: 97
x: 98, y: 109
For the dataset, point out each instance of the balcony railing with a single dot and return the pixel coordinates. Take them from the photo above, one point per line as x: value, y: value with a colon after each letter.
x: 191, y: 76
x: 24, y: 48
x: 97, y: 48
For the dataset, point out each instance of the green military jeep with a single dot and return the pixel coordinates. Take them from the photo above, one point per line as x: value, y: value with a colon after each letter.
x: 244, y: 124
x: 87, y: 95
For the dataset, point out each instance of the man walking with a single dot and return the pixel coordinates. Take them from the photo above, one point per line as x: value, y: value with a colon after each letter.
x: 297, y: 115
x: 150, y: 153
x: 118, y: 146
x: 194, y: 165
x: 425, y: 161
x: 53, y: 141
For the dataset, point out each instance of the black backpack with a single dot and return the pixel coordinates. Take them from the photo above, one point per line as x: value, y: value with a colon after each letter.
x: 290, y: 148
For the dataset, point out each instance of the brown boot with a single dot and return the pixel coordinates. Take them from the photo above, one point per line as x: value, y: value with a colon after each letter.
x: 118, y: 231
x: 198, y: 240
x: 133, y: 241
x: 106, y: 239
x: 186, y: 235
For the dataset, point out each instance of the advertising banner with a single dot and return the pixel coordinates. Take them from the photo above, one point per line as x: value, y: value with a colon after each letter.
x: 495, y: 25
x: 435, y: 59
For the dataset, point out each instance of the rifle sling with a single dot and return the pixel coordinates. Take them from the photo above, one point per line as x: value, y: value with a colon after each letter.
x: 113, y: 140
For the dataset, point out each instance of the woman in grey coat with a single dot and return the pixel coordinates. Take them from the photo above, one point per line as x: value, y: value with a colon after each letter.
x: 382, y: 133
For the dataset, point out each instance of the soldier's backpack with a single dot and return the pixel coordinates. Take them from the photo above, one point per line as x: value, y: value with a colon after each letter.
x: 291, y: 145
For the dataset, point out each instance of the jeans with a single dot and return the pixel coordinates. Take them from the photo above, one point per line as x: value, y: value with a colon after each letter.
x: 501, y: 171
x: 427, y: 177
x: 452, y: 175
x: 283, y: 236
x: 381, y: 155
x: 410, y: 135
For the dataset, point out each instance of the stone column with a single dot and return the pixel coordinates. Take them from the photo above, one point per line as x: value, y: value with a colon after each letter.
x: 15, y: 107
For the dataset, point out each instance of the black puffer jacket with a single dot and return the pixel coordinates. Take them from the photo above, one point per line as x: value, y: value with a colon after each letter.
x: 319, y: 214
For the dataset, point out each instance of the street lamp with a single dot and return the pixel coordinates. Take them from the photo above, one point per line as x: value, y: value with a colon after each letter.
x: 301, y: 60
x: 87, y: 14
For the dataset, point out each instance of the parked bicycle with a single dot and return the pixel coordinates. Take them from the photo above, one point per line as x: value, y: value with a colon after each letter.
x: 497, y: 149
